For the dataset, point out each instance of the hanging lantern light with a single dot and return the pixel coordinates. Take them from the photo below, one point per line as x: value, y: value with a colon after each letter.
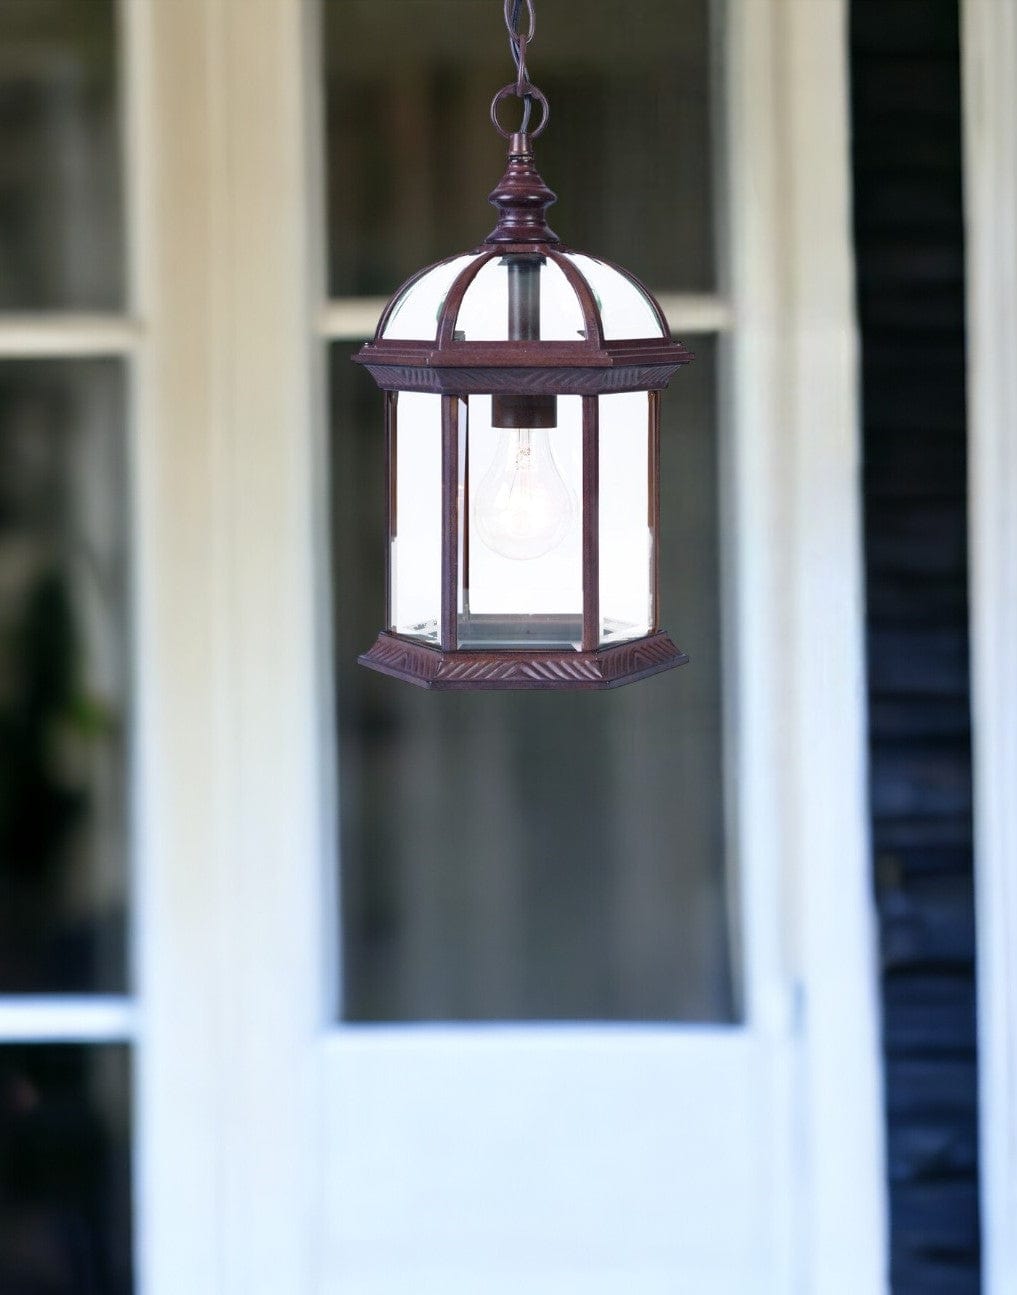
x: 522, y: 387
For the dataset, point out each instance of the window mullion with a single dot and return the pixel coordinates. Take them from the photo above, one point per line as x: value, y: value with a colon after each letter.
x: 63, y: 334
x: 55, y: 1018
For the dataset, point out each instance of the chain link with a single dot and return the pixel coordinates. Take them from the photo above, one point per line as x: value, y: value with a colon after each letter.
x: 513, y: 11
x: 519, y: 42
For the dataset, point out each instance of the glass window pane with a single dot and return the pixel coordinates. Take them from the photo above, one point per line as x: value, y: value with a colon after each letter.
x: 625, y: 310
x: 65, y: 1196
x: 485, y: 315
x: 522, y: 571
x: 63, y: 675
x: 412, y: 155
x: 416, y: 517
x: 626, y: 525
x: 415, y: 315
x: 534, y: 855
x: 61, y: 227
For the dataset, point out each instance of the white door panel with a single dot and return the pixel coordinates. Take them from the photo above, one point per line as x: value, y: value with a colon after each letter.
x: 565, y: 1159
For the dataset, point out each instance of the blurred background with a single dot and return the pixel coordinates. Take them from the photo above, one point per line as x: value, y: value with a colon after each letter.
x: 503, y: 857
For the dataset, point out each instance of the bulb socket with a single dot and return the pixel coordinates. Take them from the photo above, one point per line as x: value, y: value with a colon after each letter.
x: 524, y: 410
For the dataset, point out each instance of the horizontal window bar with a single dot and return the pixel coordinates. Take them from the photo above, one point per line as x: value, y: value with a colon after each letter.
x: 355, y: 318
x: 696, y: 312
x: 54, y: 335
x: 48, y: 1018
x: 351, y: 319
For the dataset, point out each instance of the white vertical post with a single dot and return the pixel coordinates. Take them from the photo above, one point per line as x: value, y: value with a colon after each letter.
x: 846, y: 1215
x: 799, y: 723
x: 231, y: 835
x: 755, y: 544
x: 989, y: 44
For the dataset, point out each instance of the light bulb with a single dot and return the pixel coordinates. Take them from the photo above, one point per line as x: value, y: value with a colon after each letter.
x: 523, y: 509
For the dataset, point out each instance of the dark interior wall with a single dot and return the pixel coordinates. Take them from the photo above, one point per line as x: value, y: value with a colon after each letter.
x: 906, y: 110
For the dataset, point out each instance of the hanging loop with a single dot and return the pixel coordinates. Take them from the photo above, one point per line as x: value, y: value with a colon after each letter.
x: 524, y: 89
x: 531, y: 94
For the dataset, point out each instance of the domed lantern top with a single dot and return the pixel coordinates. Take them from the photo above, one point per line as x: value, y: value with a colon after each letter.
x: 522, y: 389
x: 465, y: 299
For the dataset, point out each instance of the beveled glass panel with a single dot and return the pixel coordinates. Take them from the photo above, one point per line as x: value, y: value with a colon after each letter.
x: 521, y: 580
x: 487, y: 315
x: 65, y: 1170
x: 415, y: 314
x: 64, y: 673
x: 415, y: 522
x: 626, y: 521
x: 61, y: 222
x: 625, y: 309
x: 535, y: 855
x: 411, y: 154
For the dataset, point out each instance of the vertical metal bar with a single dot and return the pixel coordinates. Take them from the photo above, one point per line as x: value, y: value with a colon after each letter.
x: 653, y: 505
x: 524, y: 297
x: 514, y: 409
x: 391, y: 499
x: 449, y: 522
x: 466, y: 515
x: 591, y: 525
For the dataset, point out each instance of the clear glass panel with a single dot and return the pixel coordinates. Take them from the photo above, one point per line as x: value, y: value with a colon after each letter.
x: 61, y: 228
x: 63, y: 676
x: 415, y: 541
x: 491, y: 305
x: 415, y: 315
x: 412, y: 156
x: 527, y: 856
x: 65, y: 1192
x: 625, y: 310
x: 521, y: 575
x: 626, y: 522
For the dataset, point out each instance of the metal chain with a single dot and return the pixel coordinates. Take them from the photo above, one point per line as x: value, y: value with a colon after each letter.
x: 523, y: 88
x: 519, y: 40
x: 518, y: 45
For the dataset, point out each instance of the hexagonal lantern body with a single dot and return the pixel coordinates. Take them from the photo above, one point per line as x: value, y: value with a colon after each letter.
x: 522, y: 389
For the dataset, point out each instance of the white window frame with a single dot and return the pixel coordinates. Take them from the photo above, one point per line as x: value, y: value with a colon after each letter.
x: 989, y: 45
x: 85, y: 1018
x: 234, y: 800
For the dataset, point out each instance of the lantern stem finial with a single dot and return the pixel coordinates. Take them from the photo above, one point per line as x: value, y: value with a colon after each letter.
x: 522, y: 199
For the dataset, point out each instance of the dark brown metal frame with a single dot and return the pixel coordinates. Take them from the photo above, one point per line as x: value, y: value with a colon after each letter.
x: 456, y: 369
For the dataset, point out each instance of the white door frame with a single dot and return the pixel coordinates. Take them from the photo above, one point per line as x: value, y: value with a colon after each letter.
x: 989, y: 40
x: 234, y: 835
x: 234, y: 840
x: 798, y: 576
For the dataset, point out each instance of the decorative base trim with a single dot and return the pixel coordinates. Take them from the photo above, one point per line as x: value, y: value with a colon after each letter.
x: 511, y: 669
x: 559, y: 380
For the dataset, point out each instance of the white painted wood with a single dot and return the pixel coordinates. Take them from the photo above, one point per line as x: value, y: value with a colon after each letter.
x: 754, y: 558
x: 989, y: 39
x: 57, y: 1018
x: 554, y: 1159
x: 41, y: 335
x: 180, y: 701
x: 827, y: 848
x: 356, y: 318
x: 689, y: 312
x: 230, y: 836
